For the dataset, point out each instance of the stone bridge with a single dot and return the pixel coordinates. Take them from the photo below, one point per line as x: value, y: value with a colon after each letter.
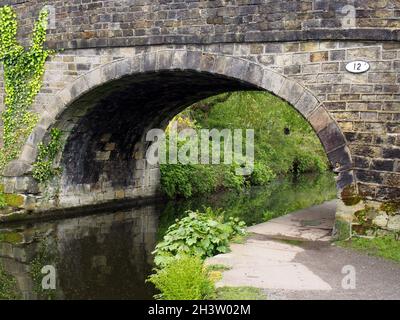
x: 130, y: 65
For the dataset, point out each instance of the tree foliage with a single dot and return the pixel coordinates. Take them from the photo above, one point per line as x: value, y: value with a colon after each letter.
x: 285, y: 144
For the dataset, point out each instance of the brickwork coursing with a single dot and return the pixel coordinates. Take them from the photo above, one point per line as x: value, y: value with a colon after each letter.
x: 357, y: 116
x: 105, y: 23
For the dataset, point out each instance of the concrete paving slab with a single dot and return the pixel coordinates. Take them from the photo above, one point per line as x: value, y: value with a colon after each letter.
x: 307, y: 269
x: 312, y: 224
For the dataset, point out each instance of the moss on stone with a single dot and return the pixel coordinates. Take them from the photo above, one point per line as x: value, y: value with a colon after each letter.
x: 11, y: 237
x: 350, y: 196
x: 391, y: 208
x: 342, y: 230
x: 12, y: 216
x: 14, y: 200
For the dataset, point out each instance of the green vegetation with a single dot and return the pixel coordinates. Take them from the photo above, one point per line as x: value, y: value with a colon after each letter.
x: 257, y: 204
x: 11, y: 237
x: 285, y: 144
x: 240, y: 293
x: 387, y: 247
x: 205, y: 235
x: 184, y: 278
x: 43, y: 168
x: 198, y: 234
x: 3, y: 202
x: 23, y: 72
x: 45, y: 256
x: 181, y: 273
x: 218, y: 267
x: 8, y: 286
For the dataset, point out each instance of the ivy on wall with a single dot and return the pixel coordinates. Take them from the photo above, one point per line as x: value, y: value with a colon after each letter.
x: 23, y: 73
x: 43, y: 167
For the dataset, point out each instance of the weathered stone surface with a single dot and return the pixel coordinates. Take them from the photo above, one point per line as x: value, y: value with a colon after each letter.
x: 110, y: 84
x: 320, y: 119
x: 381, y: 221
x: 291, y: 91
x: 332, y: 137
x: 394, y: 223
x: 17, y: 168
x: 147, y: 22
x: 307, y: 104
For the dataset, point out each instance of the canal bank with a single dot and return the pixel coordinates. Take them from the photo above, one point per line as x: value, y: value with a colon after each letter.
x: 293, y: 257
x: 108, y: 254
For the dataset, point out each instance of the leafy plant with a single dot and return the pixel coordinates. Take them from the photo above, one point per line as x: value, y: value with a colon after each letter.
x: 23, y: 72
x: 184, y: 278
x: 262, y: 175
x: 43, y: 168
x: 198, y: 234
x: 8, y: 286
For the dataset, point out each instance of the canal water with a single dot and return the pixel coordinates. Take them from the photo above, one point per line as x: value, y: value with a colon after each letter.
x: 109, y: 255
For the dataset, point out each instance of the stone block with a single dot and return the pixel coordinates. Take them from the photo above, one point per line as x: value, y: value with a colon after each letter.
x: 306, y: 104
x: 17, y: 168
x: 291, y: 91
x: 363, y: 53
x: 164, y: 60
x: 381, y: 220
x: 254, y: 74
x: 193, y: 59
x: 331, y: 137
x: 272, y: 81
x: 319, y: 56
x: 394, y: 223
x: 340, y: 159
x: 179, y: 59
x: 103, y: 156
x: 237, y: 69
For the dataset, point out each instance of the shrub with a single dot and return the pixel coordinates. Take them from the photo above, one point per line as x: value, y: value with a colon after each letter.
x: 198, y: 234
x: 231, y: 180
x: 262, y: 175
x: 203, y: 179
x: 175, y: 180
x: 183, y: 279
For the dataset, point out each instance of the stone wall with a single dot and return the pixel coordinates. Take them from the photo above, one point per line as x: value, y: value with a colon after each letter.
x: 106, y: 23
x: 358, y: 118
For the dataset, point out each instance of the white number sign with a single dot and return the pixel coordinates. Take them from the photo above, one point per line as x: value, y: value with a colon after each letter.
x: 357, y: 66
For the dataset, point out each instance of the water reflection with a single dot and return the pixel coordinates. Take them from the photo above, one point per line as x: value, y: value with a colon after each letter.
x: 108, y: 256
x: 104, y: 256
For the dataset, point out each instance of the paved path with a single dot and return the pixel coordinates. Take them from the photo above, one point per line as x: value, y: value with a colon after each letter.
x: 306, y: 269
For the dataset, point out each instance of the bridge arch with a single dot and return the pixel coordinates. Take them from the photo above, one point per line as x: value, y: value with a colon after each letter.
x: 186, y: 75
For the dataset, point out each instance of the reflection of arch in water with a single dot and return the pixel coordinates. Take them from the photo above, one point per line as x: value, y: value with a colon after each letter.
x: 114, y: 247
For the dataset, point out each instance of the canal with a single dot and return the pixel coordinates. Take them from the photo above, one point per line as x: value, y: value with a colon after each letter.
x: 109, y: 255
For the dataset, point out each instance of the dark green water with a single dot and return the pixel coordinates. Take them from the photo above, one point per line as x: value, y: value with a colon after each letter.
x: 108, y: 255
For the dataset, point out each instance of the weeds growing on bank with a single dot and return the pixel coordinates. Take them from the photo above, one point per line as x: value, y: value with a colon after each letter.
x: 387, y: 247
